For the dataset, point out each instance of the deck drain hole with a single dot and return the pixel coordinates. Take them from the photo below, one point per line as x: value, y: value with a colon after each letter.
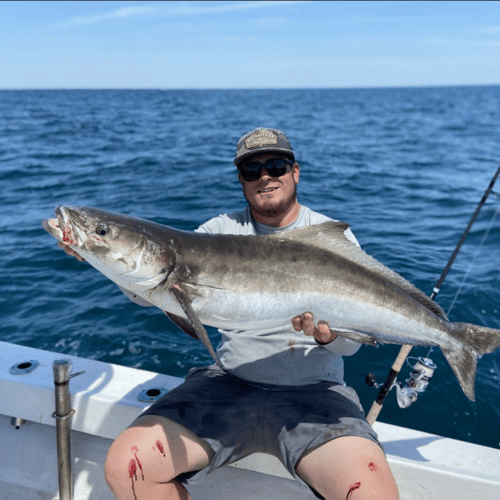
x: 152, y: 394
x: 24, y: 367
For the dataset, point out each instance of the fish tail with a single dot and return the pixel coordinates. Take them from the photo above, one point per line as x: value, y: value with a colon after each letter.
x: 475, y: 341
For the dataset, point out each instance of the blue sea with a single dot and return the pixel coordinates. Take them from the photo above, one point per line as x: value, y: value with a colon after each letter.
x: 405, y: 167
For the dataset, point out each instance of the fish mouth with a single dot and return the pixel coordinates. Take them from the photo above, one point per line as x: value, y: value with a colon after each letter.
x: 70, y: 236
x: 61, y: 228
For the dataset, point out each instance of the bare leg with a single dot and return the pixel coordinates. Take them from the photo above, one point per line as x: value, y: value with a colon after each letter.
x: 348, y: 468
x: 145, y: 459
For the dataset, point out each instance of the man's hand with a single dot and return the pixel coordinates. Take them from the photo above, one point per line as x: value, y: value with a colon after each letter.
x: 71, y: 252
x: 321, y: 334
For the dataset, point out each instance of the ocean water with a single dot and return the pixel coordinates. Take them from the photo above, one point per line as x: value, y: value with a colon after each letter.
x: 405, y: 168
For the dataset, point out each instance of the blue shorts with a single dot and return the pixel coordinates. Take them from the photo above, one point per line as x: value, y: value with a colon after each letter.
x: 237, y: 417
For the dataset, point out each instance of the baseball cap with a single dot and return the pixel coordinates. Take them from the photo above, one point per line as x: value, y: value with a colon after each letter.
x: 260, y: 141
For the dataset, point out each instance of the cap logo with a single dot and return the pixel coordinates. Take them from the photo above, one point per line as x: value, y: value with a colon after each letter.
x: 261, y: 138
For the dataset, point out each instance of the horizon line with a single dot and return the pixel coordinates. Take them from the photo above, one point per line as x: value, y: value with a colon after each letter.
x: 354, y: 87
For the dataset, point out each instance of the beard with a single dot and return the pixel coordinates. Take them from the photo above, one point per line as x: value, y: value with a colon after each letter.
x: 271, y: 208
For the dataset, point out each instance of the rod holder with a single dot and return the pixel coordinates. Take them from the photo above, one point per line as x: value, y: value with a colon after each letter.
x: 17, y: 422
x: 63, y: 414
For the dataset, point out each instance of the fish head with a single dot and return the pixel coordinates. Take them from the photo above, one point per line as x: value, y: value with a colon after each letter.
x: 130, y: 251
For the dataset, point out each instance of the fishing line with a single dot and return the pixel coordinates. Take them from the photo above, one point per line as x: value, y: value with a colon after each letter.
x: 478, y: 249
x: 409, y: 358
x: 405, y: 349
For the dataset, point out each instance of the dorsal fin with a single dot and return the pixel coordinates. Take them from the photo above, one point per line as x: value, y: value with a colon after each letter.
x: 330, y: 236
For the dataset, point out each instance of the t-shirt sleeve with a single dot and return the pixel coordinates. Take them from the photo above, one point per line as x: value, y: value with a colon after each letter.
x: 212, y: 226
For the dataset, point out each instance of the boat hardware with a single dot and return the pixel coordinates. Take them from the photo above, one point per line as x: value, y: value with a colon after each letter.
x: 405, y: 349
x: 24, y: 367
x: 17, y: 422
x: 62, y: 373
x: 152, y: 394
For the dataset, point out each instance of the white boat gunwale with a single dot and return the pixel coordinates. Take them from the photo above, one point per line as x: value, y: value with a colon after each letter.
x: 106, y: 400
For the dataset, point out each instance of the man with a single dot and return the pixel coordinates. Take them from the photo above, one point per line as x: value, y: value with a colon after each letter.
x: 281, y: 392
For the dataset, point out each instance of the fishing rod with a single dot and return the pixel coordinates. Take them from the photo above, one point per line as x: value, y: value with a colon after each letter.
x: 424, y: 367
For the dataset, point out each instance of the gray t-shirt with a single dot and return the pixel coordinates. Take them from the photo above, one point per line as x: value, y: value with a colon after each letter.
x: 277, y: 356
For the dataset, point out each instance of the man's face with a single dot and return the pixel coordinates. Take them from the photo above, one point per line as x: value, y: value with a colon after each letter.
x: 271, y: 196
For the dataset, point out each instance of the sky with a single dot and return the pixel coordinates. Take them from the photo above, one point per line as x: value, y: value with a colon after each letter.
x: 243, y: 44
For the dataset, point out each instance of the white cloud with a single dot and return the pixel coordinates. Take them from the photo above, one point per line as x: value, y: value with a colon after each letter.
x: 115, y: 14
x: 203, y: 8
x: 177, y: 9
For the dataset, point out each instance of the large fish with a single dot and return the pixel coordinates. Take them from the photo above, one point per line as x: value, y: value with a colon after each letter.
x: 245, y: 282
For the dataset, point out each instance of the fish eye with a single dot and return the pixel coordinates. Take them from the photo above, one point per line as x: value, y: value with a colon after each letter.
x: 102, y: 230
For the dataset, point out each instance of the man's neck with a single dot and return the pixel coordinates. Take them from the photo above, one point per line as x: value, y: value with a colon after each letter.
x: 278, y: 220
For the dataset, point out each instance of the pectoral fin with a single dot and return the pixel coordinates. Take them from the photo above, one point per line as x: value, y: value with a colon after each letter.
x: 359, y: 337
x: 191, y: 324
x: 184, y: 324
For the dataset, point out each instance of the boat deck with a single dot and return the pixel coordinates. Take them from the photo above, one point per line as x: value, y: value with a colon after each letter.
x: 106, y: 401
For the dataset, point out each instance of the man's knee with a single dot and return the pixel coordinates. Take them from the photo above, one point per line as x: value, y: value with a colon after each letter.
x: 122, y: 465
x: 162, y: 447
x: 341, y: 466
x: 130, y: 455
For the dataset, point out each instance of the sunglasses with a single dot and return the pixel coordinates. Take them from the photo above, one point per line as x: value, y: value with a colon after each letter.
x: 275, y: 168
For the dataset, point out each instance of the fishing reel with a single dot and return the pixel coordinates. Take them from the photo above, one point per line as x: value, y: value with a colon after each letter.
x: 421, y: 374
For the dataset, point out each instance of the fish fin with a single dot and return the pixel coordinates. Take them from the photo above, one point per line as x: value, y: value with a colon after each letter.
x: 359, y: 337
x: 331, y: 236
x: 464, y: 365
x: 184, y: 324
x: 192, y: 319
x: 475, y: 341
x: 319, y: 235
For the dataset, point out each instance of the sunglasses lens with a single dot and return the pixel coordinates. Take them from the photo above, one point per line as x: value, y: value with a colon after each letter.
x: 275, y: 168
x: 251, y: 172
